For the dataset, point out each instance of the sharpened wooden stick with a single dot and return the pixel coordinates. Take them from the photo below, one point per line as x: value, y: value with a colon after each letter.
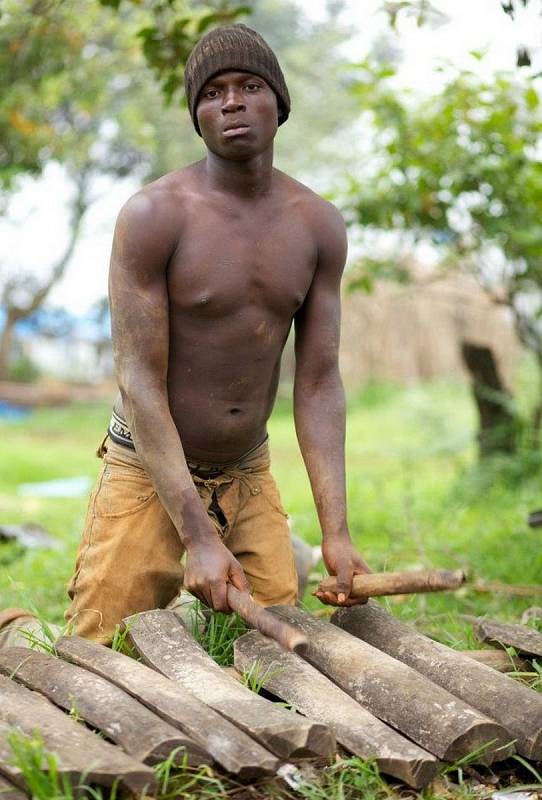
x: 257, y: 617
x: 378, y: 584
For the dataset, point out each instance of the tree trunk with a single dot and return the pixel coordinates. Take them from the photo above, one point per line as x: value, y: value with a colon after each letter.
x: 16, y: 311
x: 498, y: 425
x: 6, y: 338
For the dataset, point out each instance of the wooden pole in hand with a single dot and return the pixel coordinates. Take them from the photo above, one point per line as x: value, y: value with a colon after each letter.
x: 257, y: 617
x: 377, y: 584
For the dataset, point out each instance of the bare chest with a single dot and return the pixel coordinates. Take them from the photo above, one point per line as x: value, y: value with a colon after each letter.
x: 225, y: 265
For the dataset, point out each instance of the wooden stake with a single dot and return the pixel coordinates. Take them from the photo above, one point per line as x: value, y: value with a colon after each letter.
x: 126, y: 722
x: 257, y: 617
x: 230, y: 747
x: 387, y: 583
x: 516, y: 707
x: 522, y: 638
x: 79, y: 752
x: 298, y: 683
x: 397, y: 694
x: 164, y: 644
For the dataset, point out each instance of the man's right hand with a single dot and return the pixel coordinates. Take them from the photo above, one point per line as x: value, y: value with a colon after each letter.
x: 209, y: 568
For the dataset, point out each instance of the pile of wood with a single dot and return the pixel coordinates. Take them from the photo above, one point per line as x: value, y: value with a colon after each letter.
x: 365, y: 681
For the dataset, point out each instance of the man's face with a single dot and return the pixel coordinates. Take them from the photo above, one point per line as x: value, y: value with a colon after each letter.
x: 237, y: 114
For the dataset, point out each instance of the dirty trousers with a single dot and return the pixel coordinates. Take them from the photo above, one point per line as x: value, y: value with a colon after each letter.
x: 129, y: 556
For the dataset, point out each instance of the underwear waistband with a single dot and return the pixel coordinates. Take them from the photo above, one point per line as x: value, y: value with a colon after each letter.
x: 119, y: 431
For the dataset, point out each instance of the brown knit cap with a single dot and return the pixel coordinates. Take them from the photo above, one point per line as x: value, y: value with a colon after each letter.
x: 235, y: 47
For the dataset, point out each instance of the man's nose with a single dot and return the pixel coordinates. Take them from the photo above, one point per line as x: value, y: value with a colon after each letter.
x: 233, y: 100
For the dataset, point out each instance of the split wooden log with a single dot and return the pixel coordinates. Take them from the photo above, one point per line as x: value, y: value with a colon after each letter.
x: 164, y: 644
x: 378, y: 584
x: 498, y: 659
x: 10, y: 792
x: 522, y: 638
x: 516, y: 707
x: 298, y: 683
x: 103, y: 705
x: 79, y: 752
x: 230, y: 747
x: 399, y: 695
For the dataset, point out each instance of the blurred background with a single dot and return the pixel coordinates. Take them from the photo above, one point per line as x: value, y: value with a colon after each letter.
x: 422, y: 122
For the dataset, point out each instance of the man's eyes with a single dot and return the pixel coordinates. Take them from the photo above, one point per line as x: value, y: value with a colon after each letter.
x: 251, y: 87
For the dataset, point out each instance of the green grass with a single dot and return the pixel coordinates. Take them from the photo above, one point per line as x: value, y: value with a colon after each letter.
x: 416, y: 498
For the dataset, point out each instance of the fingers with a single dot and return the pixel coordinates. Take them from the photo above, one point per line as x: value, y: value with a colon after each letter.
x: 238, y: 577
x: 344, y: 584
x: 219, y: 596
x: 331, y: 599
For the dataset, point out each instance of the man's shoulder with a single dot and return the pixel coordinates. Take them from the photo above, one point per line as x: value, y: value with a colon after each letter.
x: 318, y: 212
x: 160, y: 201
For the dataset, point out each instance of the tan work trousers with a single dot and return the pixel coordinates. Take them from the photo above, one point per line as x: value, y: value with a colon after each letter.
x: 129, y: 556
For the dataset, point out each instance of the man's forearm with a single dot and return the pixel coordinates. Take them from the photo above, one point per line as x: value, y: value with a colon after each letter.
x: 161, y: 453
x: 319, y: 411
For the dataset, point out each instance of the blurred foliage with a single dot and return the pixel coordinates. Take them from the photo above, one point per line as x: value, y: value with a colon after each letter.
x: 463, y: 170
x: 66, y: 94
x: 423, y: 11
x: 426, y: 12
x: 66, y: 70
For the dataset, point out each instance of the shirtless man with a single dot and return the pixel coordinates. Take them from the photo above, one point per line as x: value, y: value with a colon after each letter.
x: 211, y: 265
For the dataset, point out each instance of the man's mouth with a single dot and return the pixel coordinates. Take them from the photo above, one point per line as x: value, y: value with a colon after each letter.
x: 235, y: 129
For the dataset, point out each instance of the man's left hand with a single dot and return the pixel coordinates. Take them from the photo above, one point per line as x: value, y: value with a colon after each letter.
x: 342, y: 560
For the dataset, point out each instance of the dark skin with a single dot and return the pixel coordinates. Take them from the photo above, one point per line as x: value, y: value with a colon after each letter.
x: 211, y: 265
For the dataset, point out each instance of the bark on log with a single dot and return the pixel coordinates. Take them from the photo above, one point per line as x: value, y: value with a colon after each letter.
x: 498, y: 659
x: 164, y: 644
x: 298, y: 683
x: 128, y: 723
x: 516, y: 707
x: 378, y: 584
x: 10, y: 792
x: 397, y: 694
x: 80, y: 753
x: 523, y: 639
x: 230, y: 747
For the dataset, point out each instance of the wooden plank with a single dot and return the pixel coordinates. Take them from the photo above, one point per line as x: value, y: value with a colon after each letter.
x: 164, y: 644
x: 230, y: 747
x: 522, y: 638
x: 515, y: 706
x: 499, y: 660
x: 128, y: 723
x: 298, y: 683
x: 80, y: 752
x: 10, y: 792
x: 397, y: 694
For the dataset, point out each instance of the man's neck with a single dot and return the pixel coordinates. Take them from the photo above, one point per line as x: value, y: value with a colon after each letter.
x: 246, y: 179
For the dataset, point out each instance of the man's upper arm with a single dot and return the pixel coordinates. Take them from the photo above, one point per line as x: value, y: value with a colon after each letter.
x: 317, y: 323
x: 142, y: 246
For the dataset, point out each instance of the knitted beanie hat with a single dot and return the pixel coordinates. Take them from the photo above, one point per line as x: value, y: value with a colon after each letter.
x: 233, y: 48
